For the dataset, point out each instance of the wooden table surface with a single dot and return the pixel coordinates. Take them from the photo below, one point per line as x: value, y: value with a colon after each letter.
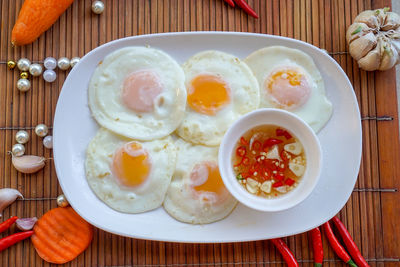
x: 372, y: 213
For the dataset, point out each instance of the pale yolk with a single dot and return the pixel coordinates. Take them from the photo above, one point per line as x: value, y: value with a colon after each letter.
x: 206, y: 179
x: 288, y: 88
x: 131, y: 164
x: 208, y: 94
x: 140, y: 89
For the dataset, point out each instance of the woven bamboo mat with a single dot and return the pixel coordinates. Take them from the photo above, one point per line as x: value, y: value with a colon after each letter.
x: 372, y: 212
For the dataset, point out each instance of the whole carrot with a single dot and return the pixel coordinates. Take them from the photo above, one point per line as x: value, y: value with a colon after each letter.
x: 10, y: 240
x: 7, y: 223
x: 285, y: 252
x: 349, y: 242
x: 35, y: 17
x: 339, y: 250
x: 317, y: 247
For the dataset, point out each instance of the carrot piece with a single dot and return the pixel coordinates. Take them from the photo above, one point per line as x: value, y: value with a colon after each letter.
x: 61, y: 235
x: 35, y: 17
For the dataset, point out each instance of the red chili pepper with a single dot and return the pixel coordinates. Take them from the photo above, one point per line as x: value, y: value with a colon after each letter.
x: 7, y: 223
x: 12, y: 239
x: 256, y: 145
x: 339, y: 250
x: 230, y: 2
x: 243, y: 141
x: 317, y: 247
x: 241, y: 151
x: 279, y: 176
x: 281, y: 132
x: 285, y: 155
x: 277, y: 184
x: 349, y: 242
x: 243, y: 5
x: 285, y: 252
x: 271, y: 141
x: 289, y: 182
x: 245, y: 161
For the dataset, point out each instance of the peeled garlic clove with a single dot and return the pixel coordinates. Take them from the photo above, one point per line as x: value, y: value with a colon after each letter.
x: 274, y: 153
x: 266, y: 187
x: 392, y: 21
x: 368, y: 17
x: 26, y: 224
x: 8, y: 196
x: 356, y: 30
x: 372, y: 60
x: 361, y: 46
x: 28, y: 163
x: 295, y: 148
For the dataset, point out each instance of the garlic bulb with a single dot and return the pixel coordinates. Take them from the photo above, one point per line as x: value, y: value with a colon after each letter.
x: 374, y: 39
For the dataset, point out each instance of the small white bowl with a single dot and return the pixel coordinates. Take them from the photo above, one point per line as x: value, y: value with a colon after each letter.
x: 295, y: 125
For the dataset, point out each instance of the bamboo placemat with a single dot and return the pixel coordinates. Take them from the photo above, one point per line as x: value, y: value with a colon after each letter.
x: 372, y: 212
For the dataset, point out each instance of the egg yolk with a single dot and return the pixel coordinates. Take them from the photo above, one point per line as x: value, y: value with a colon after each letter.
x: 288, y: 88
x: 140, y: 89
x: 208, y: 94
x: 131, y: 164
x: 206, y: 179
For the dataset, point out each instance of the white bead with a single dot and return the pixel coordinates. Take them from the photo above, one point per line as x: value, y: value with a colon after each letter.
x: 98, y: 7
x: 35, y: 69
x: 74, y: 61
x: 49, y: 76
x: 48, y: 142
x: 22, y: 137
x: 50, y: 63
x: 62, y: 201
x: 18, y: 150
x: 63, y: 63
x: 41, y: 130
x: 23, y: 85
x: 23, y: 64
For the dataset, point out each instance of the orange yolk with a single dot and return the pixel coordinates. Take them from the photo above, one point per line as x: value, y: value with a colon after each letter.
x: 131, y: 164
x: 208, y: 94
x: 206, y: 178
x: 140, y: 89
x: 288, y: 88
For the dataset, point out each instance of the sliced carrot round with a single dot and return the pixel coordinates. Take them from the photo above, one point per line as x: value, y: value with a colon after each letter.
x: 61, y: 235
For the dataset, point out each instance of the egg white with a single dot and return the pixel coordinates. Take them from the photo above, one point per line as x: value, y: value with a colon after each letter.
x: 318, y: 109
x: 180, y: 202
x: 105, y: 94
x: 245, y: 96
x: 145, y: 197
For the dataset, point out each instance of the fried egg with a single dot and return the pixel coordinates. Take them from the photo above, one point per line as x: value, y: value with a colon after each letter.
x: 138, y: 92
x: 289, y: 79
x: 197, y: 193
x: 129, y: 176
x: 220, y: 88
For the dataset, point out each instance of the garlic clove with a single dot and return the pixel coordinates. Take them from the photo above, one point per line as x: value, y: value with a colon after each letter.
x: 26, y: 224
x: 8, y: 196
x: 391, y: 22
x: 356, y: 30
x: 28, y: 163
x: 372, y: 60
x: 274, y: 153
x: 368, y: 17
x: 361, y: 46
x: 389, y: 57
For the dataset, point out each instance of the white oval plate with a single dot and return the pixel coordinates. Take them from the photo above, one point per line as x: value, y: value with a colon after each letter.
x: 340, y: 140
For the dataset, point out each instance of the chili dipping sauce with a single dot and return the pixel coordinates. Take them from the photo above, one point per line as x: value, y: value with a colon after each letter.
x: 268, y: 161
